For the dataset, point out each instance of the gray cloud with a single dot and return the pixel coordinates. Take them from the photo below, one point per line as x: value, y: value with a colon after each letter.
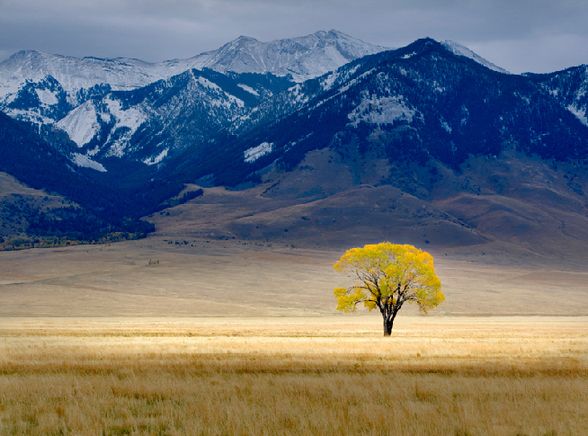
x: 520, y: 35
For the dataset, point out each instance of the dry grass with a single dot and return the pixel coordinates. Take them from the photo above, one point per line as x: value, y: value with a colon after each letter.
x: 324, y: 375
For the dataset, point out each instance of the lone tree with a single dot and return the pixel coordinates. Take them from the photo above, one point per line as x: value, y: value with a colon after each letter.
x: 385, y: 277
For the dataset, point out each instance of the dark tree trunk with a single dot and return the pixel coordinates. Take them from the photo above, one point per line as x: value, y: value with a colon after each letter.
x: 388, y: 324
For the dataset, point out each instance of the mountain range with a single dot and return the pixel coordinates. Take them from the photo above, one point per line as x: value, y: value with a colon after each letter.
x: 324, y: 139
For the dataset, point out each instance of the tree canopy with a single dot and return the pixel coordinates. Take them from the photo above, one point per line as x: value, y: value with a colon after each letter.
x: 386, y: 276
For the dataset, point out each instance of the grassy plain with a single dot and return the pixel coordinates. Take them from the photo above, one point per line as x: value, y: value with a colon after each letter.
x: 181, y: 335
x: 179, y: 276
x: 294, y: 375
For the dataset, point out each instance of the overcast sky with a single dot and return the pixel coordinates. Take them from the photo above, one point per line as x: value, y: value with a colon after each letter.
x: 519, y: 35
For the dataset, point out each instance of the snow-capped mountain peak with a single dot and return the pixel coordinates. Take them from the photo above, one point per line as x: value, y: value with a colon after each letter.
x: 302, y: 57
x: 73, y: 73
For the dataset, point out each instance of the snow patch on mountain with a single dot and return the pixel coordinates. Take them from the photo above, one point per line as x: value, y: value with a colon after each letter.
x: 130, y: 118
x: 445, y: 125
x: 46, y: 97
x: 154, y: 160
x: 81, y: 124
x: 409, y: 55
x: 126, y: 123
x: 579, y: 113
x: 381, y: 110
x: 462, y: 50
x: 85, y: 162
x: 248, y: 89
x: 118, y: 147
x: 252, y: 154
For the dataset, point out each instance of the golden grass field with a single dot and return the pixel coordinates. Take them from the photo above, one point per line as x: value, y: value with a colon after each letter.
x: 294, y: 375
x: 176, y: 335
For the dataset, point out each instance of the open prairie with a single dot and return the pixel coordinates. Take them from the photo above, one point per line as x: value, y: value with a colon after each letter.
x: 179, y: 276
x: 294, y: 375
x: 173, y: 335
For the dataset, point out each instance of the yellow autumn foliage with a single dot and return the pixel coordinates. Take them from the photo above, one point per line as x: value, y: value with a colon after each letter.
x: 386, y: 275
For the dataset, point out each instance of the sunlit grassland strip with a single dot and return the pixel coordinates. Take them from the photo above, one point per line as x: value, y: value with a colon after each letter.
x: 329, y: 376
